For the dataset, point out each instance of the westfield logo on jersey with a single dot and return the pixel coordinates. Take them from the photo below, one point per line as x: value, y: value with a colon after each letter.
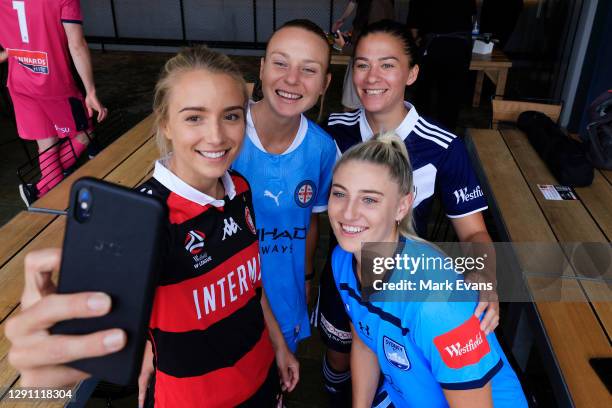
x: 464, y: 345
x: 457, y: 349
x: 229, y: 228
x: 463, y: 196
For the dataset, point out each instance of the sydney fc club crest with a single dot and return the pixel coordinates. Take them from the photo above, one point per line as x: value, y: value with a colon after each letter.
x: 305, y: 193
x: 396, y: 354
x: 249, y: 220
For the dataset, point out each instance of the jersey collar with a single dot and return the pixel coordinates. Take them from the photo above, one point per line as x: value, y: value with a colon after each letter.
x: 251, y: 132
x: 403, y: 130
x: 173, y: 183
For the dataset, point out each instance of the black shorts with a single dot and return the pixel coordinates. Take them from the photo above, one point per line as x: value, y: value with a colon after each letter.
x: 329, y: 315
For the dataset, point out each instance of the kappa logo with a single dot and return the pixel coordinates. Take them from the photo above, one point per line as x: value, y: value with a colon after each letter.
x: 463, y: 345
x: 229, y: 228
x: 305, y: 193
x: 268, y: 193
x: 396, y: 354
x: 463, y: 196
x: 249, y: 220
x: 194, y: 242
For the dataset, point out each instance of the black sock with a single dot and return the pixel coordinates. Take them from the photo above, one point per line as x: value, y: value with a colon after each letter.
x: 337, y: 385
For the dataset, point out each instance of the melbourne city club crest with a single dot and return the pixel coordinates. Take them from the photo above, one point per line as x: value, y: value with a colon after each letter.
x: 304, y: 193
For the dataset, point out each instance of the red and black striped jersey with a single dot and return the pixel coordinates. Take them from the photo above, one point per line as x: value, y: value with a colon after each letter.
x: 210, y: 341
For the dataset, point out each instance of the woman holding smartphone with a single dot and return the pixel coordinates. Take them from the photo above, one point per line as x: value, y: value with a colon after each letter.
x: 213, y: 337
x: 408, y: 353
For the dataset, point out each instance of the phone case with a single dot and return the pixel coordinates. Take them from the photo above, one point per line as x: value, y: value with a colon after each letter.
x: 115, y: 251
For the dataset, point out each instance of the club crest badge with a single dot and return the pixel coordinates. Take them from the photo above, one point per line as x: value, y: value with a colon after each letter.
x: 249, y: 220
x: 305, y: 193
x: 396, y: 354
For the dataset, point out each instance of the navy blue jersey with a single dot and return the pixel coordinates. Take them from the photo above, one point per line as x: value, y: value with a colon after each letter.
x: 425, y: 347
x: 439, y: 161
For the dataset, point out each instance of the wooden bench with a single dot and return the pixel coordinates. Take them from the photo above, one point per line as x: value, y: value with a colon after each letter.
x: 567, y: 333
x: 128, y: 161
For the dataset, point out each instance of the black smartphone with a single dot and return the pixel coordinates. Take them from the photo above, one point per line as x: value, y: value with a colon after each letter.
x: 603, y: 368
x: 111, y: 245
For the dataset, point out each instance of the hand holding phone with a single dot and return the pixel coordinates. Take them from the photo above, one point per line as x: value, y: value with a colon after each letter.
x: 40, y: 356
x: 111, y: 245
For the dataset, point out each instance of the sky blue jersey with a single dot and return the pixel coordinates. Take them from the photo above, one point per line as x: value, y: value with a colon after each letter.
x: 287, y: 188
x: 425, y: 347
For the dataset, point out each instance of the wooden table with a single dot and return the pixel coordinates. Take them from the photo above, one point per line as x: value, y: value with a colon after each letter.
x: 567, y: 334
x: 494, y: 65
x: 128, y: 161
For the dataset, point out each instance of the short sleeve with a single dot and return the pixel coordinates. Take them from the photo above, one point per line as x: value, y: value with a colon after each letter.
x: 460, y: 355
x: 71, y: 12
x: 458, y: 185
x: 328, y: 160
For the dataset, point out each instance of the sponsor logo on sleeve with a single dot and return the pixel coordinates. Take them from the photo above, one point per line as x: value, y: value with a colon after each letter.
x: 396, y: 354
x: 305, y: 193
x: 464, y: 345
x: 34, y: 61
x: 463, y: 196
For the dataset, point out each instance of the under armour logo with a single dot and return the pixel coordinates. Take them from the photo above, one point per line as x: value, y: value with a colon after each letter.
x: 229, y: 228
x: 267, y: 193
x: 364, y: 329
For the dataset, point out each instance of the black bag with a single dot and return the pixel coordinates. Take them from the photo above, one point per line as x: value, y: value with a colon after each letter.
x: 598, y: 136
x: 566, y: 158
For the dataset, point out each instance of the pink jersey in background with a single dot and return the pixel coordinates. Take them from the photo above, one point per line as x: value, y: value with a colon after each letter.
x: 33, y: 34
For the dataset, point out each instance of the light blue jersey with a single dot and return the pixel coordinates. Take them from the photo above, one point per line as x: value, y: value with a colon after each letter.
x: 425, y: 347
x: 287, y: 188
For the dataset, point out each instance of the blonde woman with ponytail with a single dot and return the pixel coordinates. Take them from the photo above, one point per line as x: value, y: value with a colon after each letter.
x: 402, y: 352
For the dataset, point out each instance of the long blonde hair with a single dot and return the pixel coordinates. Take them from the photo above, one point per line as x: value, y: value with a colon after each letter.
x: 188, y: 59
x: 388, y: 150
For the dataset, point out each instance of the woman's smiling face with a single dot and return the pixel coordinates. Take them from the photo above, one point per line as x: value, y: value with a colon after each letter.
x: 381, y: 72
x: 294, y: 71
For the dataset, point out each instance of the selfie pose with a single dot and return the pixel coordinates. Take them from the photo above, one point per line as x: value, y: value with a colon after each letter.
x: 423, y: 353
x: 384, y: 64
x: 288, y: 161
x: 213, y: 339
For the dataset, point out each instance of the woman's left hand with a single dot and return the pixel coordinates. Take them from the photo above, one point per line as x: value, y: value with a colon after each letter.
x: 491, y: 318
x: 288, y: 369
